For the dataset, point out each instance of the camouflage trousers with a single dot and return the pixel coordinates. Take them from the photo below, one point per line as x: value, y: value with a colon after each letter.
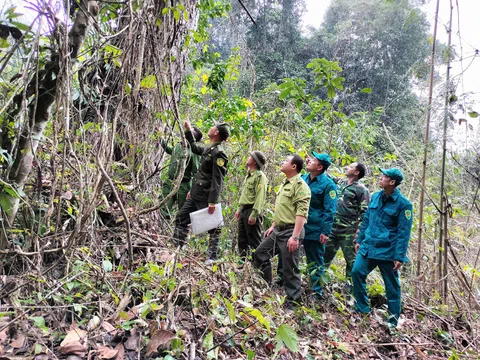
x: 341, y: 238
x: 182, y: 220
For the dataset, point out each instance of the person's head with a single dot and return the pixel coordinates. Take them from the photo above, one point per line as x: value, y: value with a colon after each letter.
x: 318, y: 163
x: 219, y: 132
x: 390, y: 178
x: 355, y: 170
x: 256, y: 160
x: 197, y: 134
x: 293, y: 164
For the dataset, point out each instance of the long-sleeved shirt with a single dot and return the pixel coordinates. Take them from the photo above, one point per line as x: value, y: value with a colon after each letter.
x: 254, y: 192
x: 353, y: 200
x: 208, y: 181
x: 177, y: 154
x: 386, y: 227
x: 322, y: 206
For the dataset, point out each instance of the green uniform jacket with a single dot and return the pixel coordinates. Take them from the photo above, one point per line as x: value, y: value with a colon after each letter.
x: 322, y: 206
x: 385, y: 230
x: 352, y: 204
x: 177, y: 154
x: 208, y: 181
x: 254, y: 192
x: 293, y: 198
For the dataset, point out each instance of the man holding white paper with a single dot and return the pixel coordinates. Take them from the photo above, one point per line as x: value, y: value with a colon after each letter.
x: 207, y: 184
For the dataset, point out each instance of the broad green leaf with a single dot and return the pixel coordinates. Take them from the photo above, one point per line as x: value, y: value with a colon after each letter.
x: 287, y: 336
x: 208, y: 344
x: 258, y: 315
x: 366, y: 90
x: 473, y: 114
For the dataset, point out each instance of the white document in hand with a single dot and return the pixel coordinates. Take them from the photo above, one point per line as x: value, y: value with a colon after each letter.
x: 202, y: 221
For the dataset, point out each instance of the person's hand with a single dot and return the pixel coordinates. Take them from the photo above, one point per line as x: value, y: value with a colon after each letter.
x: 211, y: 208
x: 323, y: 238
x: 292, y: 244
x: 237, y: 215
x: 397, y: 265
x: 269, y: 231
x: 251, y: 221
x: 188, y: 195
x: 187, y: 125
x: 357, y: 246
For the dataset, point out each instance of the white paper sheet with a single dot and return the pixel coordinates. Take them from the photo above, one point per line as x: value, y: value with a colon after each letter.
x: 202, y: 221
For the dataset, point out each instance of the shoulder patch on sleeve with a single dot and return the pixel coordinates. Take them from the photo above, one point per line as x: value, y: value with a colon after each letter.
x: 220, y: 162
x: 333, y: 194
x: 408, y: 214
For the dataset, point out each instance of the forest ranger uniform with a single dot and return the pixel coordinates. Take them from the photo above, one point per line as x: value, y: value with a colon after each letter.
x: 384, y: 236
x: 320, y: 220
x: 293, y: 199
x: 193, y: 162
x: 353, y: 200
x: 252, y: 203
x: 206, y: 188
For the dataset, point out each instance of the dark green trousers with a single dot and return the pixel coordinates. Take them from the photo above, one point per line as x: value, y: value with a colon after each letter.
x: 179, y: 198
x: 276, y: 244
x: 182, y: 220
x: 249, y: 236
x: 314, y: 251
x: 364, y: 266
x: 341, y: 239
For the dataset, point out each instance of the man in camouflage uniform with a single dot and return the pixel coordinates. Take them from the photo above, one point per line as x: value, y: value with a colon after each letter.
x: 177, y: 155
x: 284, y: 236
x: 353, y: 200
x: 251, y: 204
x: 320, y: 216
x: 207, y: 184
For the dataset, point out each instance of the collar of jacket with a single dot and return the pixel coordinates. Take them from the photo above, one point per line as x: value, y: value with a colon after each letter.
x: 394, y: 195
x: 293, y: 178
x: 318, y: 178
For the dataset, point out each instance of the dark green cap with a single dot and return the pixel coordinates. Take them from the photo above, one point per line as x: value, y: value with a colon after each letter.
x: 394, y: 174
x: 224, y: 130
x: 323, y: 158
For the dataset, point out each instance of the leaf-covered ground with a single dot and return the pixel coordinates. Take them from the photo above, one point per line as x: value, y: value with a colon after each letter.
x: 172, y: 306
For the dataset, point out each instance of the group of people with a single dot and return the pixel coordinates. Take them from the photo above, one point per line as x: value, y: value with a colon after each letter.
x: 310, y: 209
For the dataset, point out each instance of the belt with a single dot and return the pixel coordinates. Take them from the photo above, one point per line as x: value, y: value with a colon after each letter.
x: 285, y: 227
x: 248, y: 206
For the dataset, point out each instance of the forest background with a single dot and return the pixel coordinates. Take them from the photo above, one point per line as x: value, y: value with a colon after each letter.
x: 90, y: 88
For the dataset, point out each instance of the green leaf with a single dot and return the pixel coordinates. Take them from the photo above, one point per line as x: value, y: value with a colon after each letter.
x: 148, y: 82
x: 287, y: 336
x: 128, y: 88
x: 5, y: 203
x: 258, y: 315
x: 38, y: 349
x: 39, y: 322
x: 473, y: 114
x: 107, y: 265
x: 176, y: 14
x: 366, y: 90
x: 208, y: 344
x: 231, y: 311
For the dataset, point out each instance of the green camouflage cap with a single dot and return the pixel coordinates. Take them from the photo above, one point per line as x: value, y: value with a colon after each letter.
x: 324, y: 158
x: 394, y: 174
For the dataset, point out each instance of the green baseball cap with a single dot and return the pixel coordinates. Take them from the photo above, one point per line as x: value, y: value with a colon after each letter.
x: 325, y: 158
x: 394, y: 174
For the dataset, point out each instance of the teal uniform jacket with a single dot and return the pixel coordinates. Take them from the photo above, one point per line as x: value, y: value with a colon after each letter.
x: 385, y: 230
x: 323, y: 204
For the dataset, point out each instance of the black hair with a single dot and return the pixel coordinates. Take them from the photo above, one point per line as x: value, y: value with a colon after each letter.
x: 324, y: 164
x: 361, y: 170
x: 298, y: 161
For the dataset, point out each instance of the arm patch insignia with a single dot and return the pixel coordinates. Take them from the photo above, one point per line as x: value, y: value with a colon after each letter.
x: 333, y: 194
x: 408, y: 214
x: 220, y: 162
